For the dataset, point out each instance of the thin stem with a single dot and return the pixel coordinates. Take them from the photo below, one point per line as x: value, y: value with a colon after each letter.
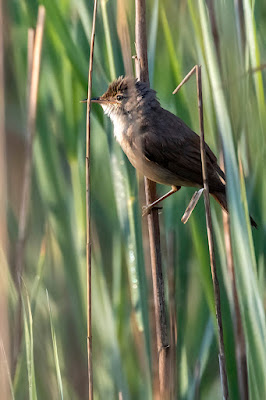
x: 215, y: 281
x: 187, y: 77
x: 153, y: 220
x: 152, y: 322
x: 174, y: 373
x: 34, y: 61
x: 240, y: 351
x: 88, y: 209
x: 5, y: 378
x: 31, y: 35
x: 238, y: 329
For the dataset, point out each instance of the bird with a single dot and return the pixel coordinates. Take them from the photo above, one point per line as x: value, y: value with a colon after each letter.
x: 158, y: 143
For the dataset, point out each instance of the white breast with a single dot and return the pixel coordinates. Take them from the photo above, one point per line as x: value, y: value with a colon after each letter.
x: 118, y: 122
x: 119, y: 127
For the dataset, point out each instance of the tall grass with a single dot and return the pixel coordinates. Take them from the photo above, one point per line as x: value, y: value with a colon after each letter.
x: 180, y: 36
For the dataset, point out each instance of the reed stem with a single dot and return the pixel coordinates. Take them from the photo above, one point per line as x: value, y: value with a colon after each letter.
x: 142, y: 73
x: 88, y: 208
x: 216, y: 287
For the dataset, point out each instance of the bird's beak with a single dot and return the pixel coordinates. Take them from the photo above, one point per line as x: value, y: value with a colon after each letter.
x: 94, y: 100
x: 98, y: 100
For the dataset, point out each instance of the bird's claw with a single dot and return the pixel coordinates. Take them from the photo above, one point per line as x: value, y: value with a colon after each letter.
x: 146, y: 210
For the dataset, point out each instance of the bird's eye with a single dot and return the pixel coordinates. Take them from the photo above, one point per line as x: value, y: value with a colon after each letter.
x: 119, y: 97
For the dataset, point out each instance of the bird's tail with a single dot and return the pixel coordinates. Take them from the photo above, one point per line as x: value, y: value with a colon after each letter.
x: 220, y: 197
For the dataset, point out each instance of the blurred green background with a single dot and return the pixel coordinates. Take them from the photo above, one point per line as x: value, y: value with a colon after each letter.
x: 228, y: 39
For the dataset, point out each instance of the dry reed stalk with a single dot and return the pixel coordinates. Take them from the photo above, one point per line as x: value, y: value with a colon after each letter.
x: 30, y: 49
x: 216, y: 288
x: 238, y: 328
x: 191, y: 206
x: 173, y: 383
x: 4, y: 328
x: 151, y: 308
x: 153, y: 219
x: 240, y: 351
x: 88, y: 208
x: 34, y: 61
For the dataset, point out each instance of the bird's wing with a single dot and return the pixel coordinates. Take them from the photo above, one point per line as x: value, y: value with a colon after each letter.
x: 178, y: 151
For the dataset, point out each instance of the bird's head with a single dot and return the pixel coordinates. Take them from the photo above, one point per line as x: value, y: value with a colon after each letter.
x: 124, y: 97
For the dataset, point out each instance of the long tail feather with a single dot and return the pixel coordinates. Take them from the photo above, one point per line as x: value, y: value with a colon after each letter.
x: 220, y: 197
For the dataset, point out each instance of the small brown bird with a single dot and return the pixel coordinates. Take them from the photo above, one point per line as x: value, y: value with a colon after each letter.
x: 158, y: 143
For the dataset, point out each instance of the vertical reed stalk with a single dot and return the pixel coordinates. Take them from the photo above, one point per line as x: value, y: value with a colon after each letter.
x: 153, y: 219
x: 241, y: 357
x: 88, y: 208
x: 238, y: 328
x: 34, y: 61
x: 4, y: 328
x: 215, y: 281
x: 151, y: 308
x: 173, y: 383
x: 240, y: 351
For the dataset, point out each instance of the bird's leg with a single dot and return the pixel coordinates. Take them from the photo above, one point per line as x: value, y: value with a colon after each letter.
x: 147, y: 209
x: 185, y: 79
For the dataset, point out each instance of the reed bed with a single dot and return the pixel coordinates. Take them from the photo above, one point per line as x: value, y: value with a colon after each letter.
x: 228, y: 40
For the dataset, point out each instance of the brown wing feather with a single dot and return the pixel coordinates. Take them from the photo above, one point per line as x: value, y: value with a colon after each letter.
x: 178, y: 149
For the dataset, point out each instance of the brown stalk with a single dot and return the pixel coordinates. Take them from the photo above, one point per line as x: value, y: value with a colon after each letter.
x: 34, y: 61
x: 187, y: 77
x: 190, y: 208
x: 151, y: 308
x: 238, y: 328
x: 4, y: 328
x: 240, y: 351
x: 153, y: 219
x: 215, y: 281
x: 88, y: 208
x: 30, y: 49
x: 124, y: 38
x: 173, y: 383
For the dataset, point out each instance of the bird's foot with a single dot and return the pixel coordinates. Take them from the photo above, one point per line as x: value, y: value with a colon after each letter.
x: 146, y: 210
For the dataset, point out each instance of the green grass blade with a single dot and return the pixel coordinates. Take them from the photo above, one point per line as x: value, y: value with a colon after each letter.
x: 247, y: 284
x: 60, y: 34
x: 29, y: 349
x: 5, y: 368
x: 55, y: 351
x: 202, y: 358
x: 254, y: 52
x: 110, y: 55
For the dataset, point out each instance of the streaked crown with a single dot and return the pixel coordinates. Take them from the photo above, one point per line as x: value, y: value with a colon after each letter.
x: 127, y: 95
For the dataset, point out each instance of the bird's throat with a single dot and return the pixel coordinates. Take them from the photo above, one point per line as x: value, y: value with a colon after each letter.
x: 120, y: 124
